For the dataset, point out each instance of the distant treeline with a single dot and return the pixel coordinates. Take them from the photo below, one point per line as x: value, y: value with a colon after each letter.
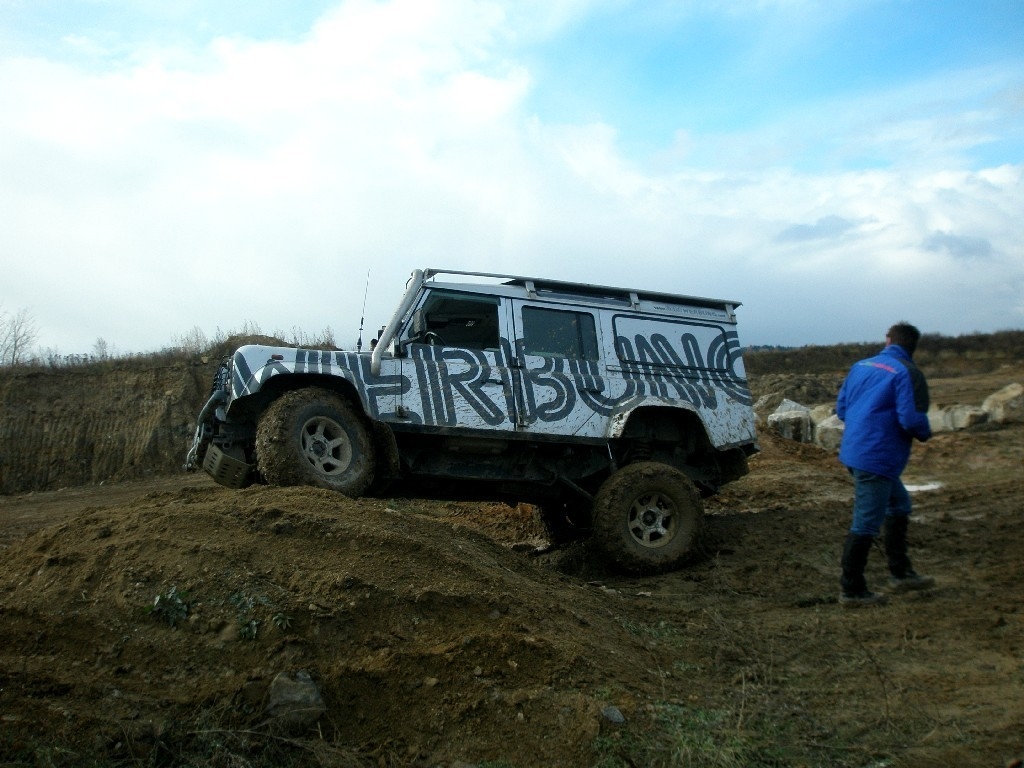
x: 937, y: 355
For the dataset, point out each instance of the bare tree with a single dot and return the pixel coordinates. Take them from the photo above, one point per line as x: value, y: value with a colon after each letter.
x: 101, y: 350
x: 193, y: 342
x: 18, y: 332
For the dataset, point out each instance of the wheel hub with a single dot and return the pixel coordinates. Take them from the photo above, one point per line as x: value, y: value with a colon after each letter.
x: 326, y: 446
x: 652, y: 520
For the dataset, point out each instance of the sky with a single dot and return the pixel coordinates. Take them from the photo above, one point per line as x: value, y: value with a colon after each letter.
x: 169, y: 170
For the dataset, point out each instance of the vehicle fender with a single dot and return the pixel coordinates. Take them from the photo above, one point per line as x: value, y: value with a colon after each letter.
x: 254, y: 366
x: 620, y: 420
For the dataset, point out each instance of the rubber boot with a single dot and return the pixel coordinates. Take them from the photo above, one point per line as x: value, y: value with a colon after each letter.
x: 903, y: 578
x: 855, y: 590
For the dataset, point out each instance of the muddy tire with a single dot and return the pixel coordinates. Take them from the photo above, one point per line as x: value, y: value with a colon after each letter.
x: 648, y: 518
x: 314, y: 437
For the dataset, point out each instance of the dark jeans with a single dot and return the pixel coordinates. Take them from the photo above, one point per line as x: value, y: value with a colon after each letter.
x: 875, y: 498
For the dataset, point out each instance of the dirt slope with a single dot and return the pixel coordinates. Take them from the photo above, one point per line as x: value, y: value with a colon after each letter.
x: 66, y: 428
x: 437, y: 640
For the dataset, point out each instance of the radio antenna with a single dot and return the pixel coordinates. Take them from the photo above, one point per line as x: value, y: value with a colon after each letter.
x: 362, y: 318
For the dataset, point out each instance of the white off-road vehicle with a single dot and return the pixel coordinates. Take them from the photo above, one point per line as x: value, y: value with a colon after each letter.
x: 611, y: 410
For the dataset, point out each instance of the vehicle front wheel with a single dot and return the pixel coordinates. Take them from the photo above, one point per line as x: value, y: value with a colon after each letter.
x: 314, y: 437
x: 648, y: 517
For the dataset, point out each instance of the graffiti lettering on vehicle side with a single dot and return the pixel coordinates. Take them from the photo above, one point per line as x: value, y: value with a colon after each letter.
x: 435, y: 384
x: 351, y: 366
x: 697, y: 378
x: 445, y: 374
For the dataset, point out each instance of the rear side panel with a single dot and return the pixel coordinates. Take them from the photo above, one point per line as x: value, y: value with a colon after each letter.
x: 693, y: 364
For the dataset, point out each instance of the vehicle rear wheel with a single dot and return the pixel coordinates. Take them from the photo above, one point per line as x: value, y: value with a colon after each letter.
x: 648, y: 517
x: 314, y: 437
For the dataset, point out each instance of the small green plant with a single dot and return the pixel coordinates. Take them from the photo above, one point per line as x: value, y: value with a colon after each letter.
x: 243, y: 603
x: 252, y: 609
x: 248, y: 629
x: 170, y: 607
x: 245, y: 606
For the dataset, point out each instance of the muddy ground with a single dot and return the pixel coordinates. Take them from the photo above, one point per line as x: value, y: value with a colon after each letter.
x: 437, y: 636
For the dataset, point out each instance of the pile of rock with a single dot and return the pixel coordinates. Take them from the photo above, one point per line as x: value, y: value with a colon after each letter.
x: 821, y: 426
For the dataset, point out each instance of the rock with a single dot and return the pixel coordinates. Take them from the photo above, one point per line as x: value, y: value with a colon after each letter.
x: 821, y: 413
x: 294, y: 705
x: 792, y: 421
x: 613, y: 714
x: 789, y: 406
x: 955, y: 417
x: 1006, y: 405
x: 768, y: 403
x: 829, y: 433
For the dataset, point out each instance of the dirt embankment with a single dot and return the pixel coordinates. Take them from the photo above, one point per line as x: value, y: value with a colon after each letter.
x: 71, y: 427
x: 436, y: 639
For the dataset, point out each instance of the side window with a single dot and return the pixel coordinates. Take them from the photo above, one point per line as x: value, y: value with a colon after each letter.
x: 671, y: 345
x: 458, y: 320
x: 559, y: 333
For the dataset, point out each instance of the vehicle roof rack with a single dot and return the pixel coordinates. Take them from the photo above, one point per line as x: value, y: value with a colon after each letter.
x: 532, y: 285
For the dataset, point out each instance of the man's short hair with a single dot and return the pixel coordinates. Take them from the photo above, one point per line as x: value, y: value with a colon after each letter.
x: 905, y: 335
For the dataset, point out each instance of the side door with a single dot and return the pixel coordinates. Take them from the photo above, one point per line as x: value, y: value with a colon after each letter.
x: 561, y: 387
x: 456, y: 359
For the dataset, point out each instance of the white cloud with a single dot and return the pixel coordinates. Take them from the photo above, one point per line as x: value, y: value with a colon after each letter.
x: 260, y: 181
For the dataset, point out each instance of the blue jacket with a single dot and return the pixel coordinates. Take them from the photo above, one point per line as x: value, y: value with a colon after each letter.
x: 884, y: 403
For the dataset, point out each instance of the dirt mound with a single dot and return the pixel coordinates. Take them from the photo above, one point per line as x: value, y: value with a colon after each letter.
x: 181, y: 607
x: 434, y: 644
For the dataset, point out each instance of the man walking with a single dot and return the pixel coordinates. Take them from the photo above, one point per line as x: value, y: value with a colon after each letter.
x: 884, y: 404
